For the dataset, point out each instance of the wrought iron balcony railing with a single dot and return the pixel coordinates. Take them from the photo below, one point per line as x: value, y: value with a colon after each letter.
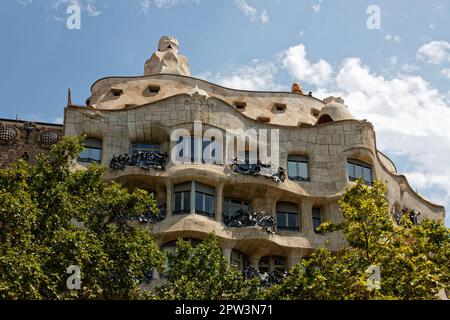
x: 258, y: 169
x: 145, y: 160
x: 244, y: 218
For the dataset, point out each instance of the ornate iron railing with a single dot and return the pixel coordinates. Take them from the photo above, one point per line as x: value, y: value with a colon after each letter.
x: 244, y: 218
x: 145, y: 160
x: 266, y: 279
x: 258, y: 169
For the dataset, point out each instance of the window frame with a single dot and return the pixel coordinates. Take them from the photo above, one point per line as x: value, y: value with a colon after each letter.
x: 282, y: 212
x: 89, y: 145
x: 242, y: 202
x: 298, y: 160
x: 145, y: 147
x: 353, y: 163
x: 191, y: 190
x: 314, y: 217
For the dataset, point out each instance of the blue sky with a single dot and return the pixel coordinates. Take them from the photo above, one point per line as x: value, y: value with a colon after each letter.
x: 397, y: 77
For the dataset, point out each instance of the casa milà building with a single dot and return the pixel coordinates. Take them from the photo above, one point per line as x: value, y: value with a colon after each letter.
x: 262, y: 217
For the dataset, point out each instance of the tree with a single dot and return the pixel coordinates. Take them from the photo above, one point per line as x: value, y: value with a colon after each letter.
x: 53, y: 216
x: 202, y: 272
x: 412, y: 258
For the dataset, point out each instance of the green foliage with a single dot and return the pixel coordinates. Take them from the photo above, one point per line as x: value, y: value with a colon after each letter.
x: 202, y: 272
x: 53, y: 216
x: 413, y: 259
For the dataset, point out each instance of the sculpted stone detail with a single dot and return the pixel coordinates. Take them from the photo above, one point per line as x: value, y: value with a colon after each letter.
x: 47, y: 138
x: 167, y: 59
x: 244, y: 218
x: 8, y: 134
x: 145, y: 160
x: 258, y: 169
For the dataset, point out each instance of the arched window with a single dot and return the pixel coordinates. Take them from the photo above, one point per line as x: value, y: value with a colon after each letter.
x: 358, y: 169
x: 298, y: 168
x: 287, y: 216
x: 92, y: 151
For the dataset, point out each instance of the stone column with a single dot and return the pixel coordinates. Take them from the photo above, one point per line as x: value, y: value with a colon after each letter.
x: 192, y: 197
x: 169, y: 198
x: 254, y: 261
x: 219, y: 201
x: 306, y: 210
x: 227, y: 254
x: 292, y: 260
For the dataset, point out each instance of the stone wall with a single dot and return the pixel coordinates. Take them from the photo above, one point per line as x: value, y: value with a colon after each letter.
x: 25, y: 140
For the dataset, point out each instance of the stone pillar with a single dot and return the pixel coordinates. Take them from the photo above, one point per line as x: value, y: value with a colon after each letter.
x: 227, y: 254
x: 292, y: 260
x: 306, y: 210
x: 254, y: 261
x: 192, y: 197
x: 219, y: 201
x: 155, y: 274
x: 169, y: 198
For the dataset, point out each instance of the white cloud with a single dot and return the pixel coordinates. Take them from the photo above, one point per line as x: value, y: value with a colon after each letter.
x: 295, y: 62
x: 255, y: 76
x: 254, y: 14
x: 435, y: 52
x: 316, y: 7
x: 145, y: 6
x: 410, y: 116
x: 446, y: 73
x: 88, y: 6
x: 392, y: 37
x: 25, y: 3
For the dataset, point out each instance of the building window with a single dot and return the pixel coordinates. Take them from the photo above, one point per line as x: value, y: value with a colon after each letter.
x: 231, y: 208
x: 357, y: 169
x: 271, y: 263
x: 239, y: 260
x: 316, y: 218
x: 182, y: 198
x: 298, y: 168
x: 287, y: 216
x: 184, y: 156
x: 203, y: 201
x: 92, y: 151
x: 145, y: 147
x: 250, y: 157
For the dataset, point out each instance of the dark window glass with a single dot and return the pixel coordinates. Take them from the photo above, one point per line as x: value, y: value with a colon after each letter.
x: 193, y: 141
x: 317, y: 218
x: 264, y: 264
x: 298, y: 168
x: 145, y: 147
x: 287, y: 216
x: 357, y: 169
x: 92, y: 151
x: 231, y: 208
x: 182, y: 202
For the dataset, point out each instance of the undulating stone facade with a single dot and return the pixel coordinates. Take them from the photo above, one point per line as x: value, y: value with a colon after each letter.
x: 260, y: 220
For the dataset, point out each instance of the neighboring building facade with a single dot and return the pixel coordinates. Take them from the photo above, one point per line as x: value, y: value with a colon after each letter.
x: 24, y: 139
x: 129, y: 122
